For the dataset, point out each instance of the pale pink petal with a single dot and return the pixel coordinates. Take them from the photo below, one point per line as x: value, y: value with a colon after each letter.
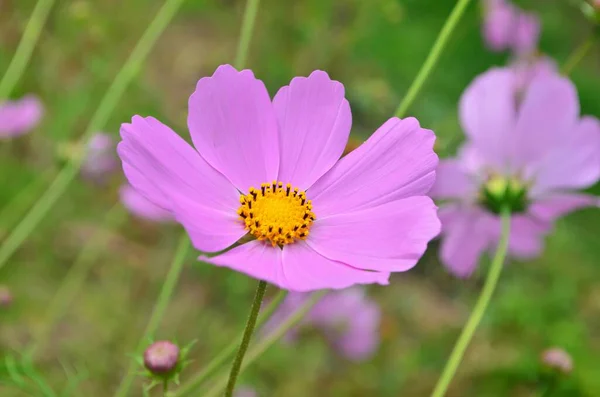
x: 306, y: 270
x: 389, y: 237
x: 547, y: 116
x: 497, y: 25
x: 314, y: 124
x: 553, y: 206
x: 526, y: 239
x: 574, y: 163
x: 487, y: 112
x: 20, y: 116
x: 453, y: 181
x: 465, y: 237
x: 169, y: 173
x: 139, y: 206
x: 233, y: 126
x: 526, y: 33
x: 396, y: 162
x: 256, y: 259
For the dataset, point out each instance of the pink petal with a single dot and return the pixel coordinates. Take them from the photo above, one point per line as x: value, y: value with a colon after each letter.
x: 389, y: 237
x: 233, y: 126
x: 488, y: 115
x: 256, y: 259
x: 396, y: 162
x: 526, y: 238
x: 526, y: 33
x: 465, y: 237
x: 20, y: 116
x: 314, y: 125
x: 552, y: 207
x: 139, y: 206
x: 169, y: 173
x: 307, y: 270
x: 453, y: 181
x: 497, y: 24
x: 547, y: 116
x: 574, y: 163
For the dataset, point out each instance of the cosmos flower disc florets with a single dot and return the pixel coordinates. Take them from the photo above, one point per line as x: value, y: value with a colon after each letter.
x: 276, y: 213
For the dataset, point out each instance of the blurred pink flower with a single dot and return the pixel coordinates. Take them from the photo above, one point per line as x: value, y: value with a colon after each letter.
x: 349, y: 319
x: 101, y: 159
x: 506, y: 27
x: 557, y: 359
x: 245, y: 391
x: 20, y: 116
x: 271, y: 170
x: 528, y: 68
x: 139, y: 206
x: 527, y: 150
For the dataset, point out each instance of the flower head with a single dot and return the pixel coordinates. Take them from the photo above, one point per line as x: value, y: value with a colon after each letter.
x: 20, y: 116
x: 557, y: 359
x: 506, y: 27
x: 161, y: 357
x: 100, y: 160
x: 6, y: 297
x: 526, y: 150
x: 270, y: 170
x: 138, y: 205
x: 348, y: 318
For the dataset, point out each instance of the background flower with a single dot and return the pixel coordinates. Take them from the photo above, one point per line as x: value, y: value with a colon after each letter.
x: 20, y: 116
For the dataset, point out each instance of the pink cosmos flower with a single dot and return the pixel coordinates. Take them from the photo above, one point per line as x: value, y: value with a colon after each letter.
x: 20, y: 116
x: 527, y: 148
x: 506, y: 27
x: 138, y: 205
x: 529, y: 68
x: 349, y: 319
x: 101, y: 159
x: 270, y: 170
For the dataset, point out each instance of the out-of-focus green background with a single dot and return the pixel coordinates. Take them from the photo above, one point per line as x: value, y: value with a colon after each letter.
x: 375, y: 48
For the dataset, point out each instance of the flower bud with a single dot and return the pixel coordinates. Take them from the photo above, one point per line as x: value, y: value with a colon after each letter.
x: 5, y: 296
x: 557, y: 359
x: 161, y: 358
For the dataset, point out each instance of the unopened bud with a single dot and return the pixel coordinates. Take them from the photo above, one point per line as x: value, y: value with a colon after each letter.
x: 5, y: 296
x: 558, y: 359
x: 161, y: 358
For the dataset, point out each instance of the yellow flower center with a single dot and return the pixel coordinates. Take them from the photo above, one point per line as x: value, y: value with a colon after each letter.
x: 276, y: 213
x: 504, y: 192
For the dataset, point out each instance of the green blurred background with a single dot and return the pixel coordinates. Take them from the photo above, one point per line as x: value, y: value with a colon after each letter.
x: 375, y: 48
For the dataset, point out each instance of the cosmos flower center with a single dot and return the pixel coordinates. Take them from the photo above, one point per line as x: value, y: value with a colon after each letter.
x: 278, y: 213
x: 504, y: 192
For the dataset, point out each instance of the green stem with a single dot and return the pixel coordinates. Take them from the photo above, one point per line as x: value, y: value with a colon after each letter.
x: 75, y: 278
x: 577, y: 55
x: 25, y: 48
x: 475, y: 318
x: 268, y: 341
x: 246, y: 34
x: 433, y: 56
x: 97, y: 123
x: 158, y: 312
x: 225, y: 355
x: 239, y: 358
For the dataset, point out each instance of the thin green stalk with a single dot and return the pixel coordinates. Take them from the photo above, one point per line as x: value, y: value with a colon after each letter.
x: 225, y: 355
x: 14, y: 210
x: 158, y: 312
x: 98, y: 121
x: 433, y: 56
x: 248, y: 331
x: 268, y: 341
x: 577, y: 55
x: 75, y: 278
x: 246, y: 34
x: 475, y: 318
x: 25, y: 48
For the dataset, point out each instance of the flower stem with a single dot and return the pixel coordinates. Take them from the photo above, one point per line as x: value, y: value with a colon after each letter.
x: 433, y: 56
x: 98, y: 121
x: 75, y: 278
x: 246, y: 34
x: 239, y: 358
x: 228, y: 352
x: 268, y: 341
x: 25, y: 48
x: 158, y: 312
x: 577, y: 55
x: 475, y: 318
